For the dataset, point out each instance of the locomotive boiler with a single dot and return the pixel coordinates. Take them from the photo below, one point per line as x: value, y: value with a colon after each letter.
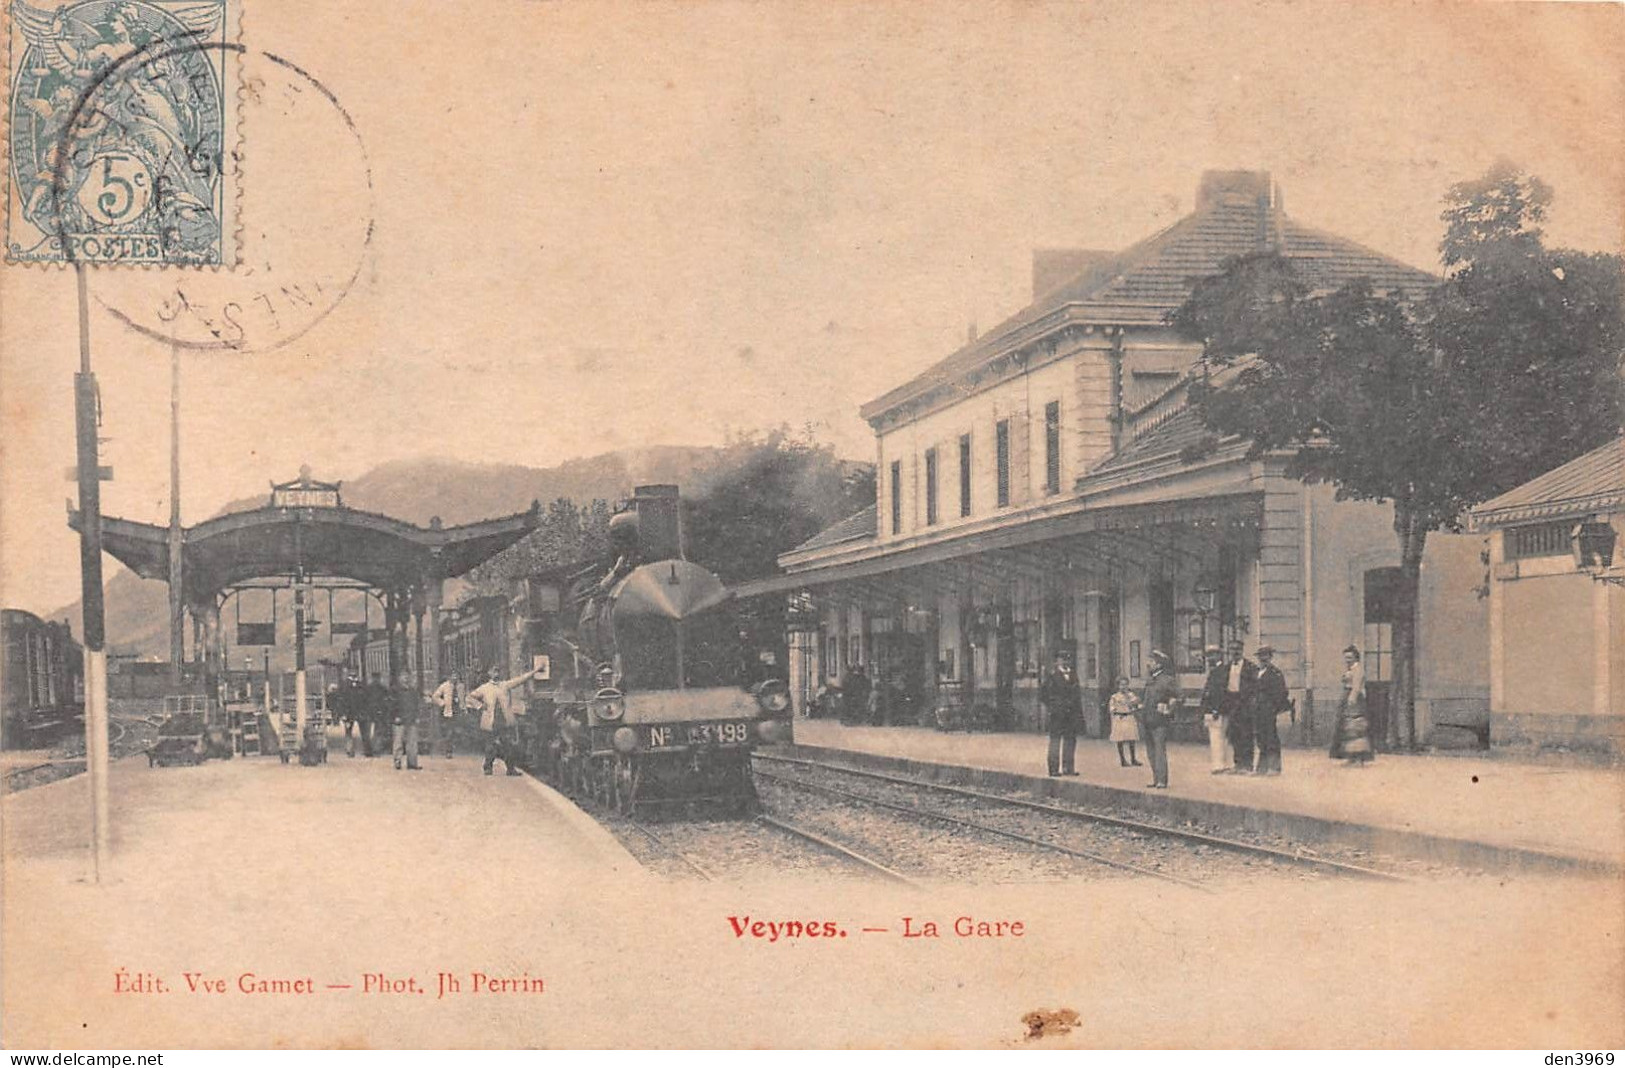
x: 658, y: 701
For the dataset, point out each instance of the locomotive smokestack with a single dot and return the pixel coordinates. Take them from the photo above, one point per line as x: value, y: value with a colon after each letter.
x: 660, y: 529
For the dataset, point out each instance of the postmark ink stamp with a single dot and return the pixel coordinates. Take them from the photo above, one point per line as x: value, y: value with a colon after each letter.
x: 122, y: 132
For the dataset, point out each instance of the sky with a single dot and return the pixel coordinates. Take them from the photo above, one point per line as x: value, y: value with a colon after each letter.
x: 575, y: 227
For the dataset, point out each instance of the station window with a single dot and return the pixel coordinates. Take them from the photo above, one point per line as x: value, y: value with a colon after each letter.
x: 964, y: 475
x: 1538, y: 539
x: 897, y: 496
x: 1001, y: 449
x: 930, y: 487
x: 1052, y: 447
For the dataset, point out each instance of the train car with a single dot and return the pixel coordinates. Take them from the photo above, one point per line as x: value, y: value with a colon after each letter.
x: 42, y: 682
x: 655, y: 699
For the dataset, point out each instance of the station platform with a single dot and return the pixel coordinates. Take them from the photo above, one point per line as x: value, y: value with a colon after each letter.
x: 1477, y: 812
x: 325, y: 874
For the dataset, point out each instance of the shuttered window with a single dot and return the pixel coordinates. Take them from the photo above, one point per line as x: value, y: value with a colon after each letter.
x: 930, y: 487
x: 1001, y: 446
x: 1539, y: 539
x: 897, y: 496
x: 1052, y: 447
x: 964, y: 474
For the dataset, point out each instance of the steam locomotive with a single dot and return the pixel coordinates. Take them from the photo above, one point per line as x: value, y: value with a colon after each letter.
x: 656, y: 699
x: 42, y: 688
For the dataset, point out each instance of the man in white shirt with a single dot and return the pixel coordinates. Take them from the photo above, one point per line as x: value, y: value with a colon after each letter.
x: 499, y: 724
x: 448, y: 699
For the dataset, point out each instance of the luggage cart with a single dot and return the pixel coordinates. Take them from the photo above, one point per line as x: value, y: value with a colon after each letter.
x: 314, y: 749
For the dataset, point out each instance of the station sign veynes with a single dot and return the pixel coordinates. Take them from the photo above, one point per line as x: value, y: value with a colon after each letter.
x: 304, y: 492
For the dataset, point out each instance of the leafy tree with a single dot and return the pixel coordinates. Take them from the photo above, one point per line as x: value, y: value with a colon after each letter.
x: 769, y: 492
x: 566, y: 535
x: 1435, y: 401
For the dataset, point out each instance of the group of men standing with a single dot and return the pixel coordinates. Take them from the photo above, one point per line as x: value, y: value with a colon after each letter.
x: 1240, y: 702
x: 366, y: 708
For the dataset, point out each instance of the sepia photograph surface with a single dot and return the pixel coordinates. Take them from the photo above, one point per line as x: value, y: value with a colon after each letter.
x: 998, y: 525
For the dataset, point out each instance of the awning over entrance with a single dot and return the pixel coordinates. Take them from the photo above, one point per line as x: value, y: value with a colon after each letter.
x: 1105, y: 540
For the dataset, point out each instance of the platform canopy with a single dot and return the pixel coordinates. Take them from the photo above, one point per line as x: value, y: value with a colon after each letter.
x: 305, y: 529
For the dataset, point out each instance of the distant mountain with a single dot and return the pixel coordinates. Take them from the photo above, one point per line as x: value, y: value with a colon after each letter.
x: 416, y: 491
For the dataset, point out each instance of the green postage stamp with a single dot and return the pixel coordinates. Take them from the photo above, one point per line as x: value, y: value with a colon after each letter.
x: 122, y: 132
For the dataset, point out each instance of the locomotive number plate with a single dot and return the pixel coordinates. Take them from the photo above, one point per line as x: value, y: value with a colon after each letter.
x: 731, y: 733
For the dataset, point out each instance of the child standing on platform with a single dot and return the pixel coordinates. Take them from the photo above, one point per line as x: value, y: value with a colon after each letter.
x: 1125, y: 707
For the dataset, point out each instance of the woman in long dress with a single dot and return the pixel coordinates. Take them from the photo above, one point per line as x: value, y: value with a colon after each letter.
x: 1351, y: 741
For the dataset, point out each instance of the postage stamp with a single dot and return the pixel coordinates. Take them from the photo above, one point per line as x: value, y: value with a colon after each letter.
x: 122, y: 132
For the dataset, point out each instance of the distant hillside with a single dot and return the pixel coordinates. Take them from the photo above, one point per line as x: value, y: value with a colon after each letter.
x: 416, y: 490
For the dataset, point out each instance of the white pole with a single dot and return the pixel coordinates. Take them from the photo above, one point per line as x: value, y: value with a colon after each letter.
x: 96, y: 758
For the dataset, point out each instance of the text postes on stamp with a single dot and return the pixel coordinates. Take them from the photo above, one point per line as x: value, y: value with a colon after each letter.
x: 122, y: 130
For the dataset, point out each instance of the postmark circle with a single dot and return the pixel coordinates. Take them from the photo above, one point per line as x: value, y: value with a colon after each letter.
x: 306, y: 220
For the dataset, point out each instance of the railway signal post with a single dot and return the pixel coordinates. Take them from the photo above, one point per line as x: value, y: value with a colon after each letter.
x: 90, y: 474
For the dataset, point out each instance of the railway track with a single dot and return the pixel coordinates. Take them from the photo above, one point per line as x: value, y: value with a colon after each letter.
x: 916, y: 812
x: 865, y: 862
x: 672, y: 851
x: 1253, y: 849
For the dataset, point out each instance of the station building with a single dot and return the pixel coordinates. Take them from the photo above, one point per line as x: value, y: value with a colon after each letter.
x: 1557, y: 606
x: 1047, y: 487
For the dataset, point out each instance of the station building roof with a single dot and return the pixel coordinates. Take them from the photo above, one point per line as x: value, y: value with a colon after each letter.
x: 1585, y: 485
x: 1237, y: 213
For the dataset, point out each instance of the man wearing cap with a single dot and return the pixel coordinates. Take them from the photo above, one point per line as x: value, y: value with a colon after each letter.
x: 1157, y: 716
x: 1062, y: 698
x: 1269, y: 700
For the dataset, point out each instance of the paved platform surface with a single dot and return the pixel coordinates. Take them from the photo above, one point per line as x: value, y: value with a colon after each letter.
x: 1568, y: 811
x: 322, y: 873
x: 244, y: 872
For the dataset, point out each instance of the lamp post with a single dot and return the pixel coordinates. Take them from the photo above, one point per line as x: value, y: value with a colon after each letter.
x: 1207, y: 599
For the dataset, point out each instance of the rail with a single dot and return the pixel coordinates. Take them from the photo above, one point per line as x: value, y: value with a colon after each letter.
x: 983, y: 828
x: 1196, y: 837
x: 837, y: 848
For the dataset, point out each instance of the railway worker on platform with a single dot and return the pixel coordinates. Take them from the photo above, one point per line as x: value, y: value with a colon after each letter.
x: 1269, y: 701
x: 499, y: 725
x: 1062, y: 698
x: 448, y: 700
x: 1240, y: 684
x: 403, y: 729
x: 1157, y: 704
x: 1221, y: 758
x: 347, y: 703
x: 375, y: 710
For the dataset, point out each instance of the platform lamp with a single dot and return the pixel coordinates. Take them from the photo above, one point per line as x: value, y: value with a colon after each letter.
x: 1206, y: 598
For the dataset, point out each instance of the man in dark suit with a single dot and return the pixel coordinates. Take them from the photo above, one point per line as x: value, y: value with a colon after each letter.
x: 1269, y: 701
x: 1157, y: 707
x: 1062, y: 698
x: 1236, y: 703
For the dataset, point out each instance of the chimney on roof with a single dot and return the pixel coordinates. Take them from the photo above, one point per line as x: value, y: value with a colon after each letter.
x: 1052, y: 267
x: 1234, y: 189
x: 1245, y: 189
